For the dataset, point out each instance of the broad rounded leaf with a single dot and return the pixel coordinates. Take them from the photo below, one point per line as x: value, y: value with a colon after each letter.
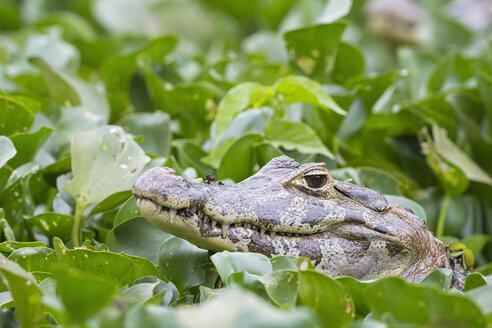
x: 326, y: 297
x: 7, y: 150
x: 227, y: 263
x: 25, y: 292
x: 182, y: 263
x: 295, y: 88
x: 235, y: 101
x: 104, y: 161
x: 54, y: 224
x: 295, y: 136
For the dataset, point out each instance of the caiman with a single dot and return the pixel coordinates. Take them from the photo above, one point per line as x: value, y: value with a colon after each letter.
x: 299, y: 210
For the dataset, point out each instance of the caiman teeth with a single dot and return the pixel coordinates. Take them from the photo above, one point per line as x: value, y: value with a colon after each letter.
x: 272, y: 234
x: 225, y: 227
x: 214, y: 223
x: 159, y: 208
x: 262, y: 231
x: 205, y: 218
x: 172, y: 214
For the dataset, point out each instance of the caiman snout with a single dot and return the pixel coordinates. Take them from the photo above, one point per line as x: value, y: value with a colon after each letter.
x: 162, y: 185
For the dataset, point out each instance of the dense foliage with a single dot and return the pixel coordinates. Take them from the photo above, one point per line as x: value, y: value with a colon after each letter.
x: 92, y: 93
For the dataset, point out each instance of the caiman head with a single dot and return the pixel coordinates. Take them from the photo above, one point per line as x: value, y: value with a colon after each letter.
x: 299, y: 210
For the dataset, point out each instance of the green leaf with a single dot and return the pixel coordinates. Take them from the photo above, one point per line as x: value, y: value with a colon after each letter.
x: 415, y: 304
x: 7, y: 150
x: 25, y: 292
x: 112, y: 268
x: 294, y: 89
x: 82, y: 294
x: 457, y: 157
x: 104, y: 161
x: 145, y: 243
x: 326, y: 297
x: 151, y: 316
x: 482, y: 297
x: 10, y: 246
x: 155, y: 128
x: 349, y: 62
x: 35, y: 259
x: 111, y: 201
x: 295, y: 136
x: 28, y: 145
x: 281, y: 287
x: 127, y: 211
x: 405, y: 202
x: 235, y: 101
x: 239, y: 160
x: 54, y: 224
x: 250, y: 311
x: 440, y: 279
x: 313, y: 47
x: 227, y: 263
x: 357, y: 290
x: 15, y: 115
x: 475, y: 280
x: 182, y: 263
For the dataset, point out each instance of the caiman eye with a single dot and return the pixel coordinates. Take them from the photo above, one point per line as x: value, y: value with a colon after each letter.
x: 315, y: 181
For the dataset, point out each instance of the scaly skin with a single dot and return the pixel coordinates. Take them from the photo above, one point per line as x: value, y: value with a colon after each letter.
x: 299, y: 210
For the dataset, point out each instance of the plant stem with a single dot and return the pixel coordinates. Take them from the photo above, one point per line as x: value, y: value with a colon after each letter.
x: 77, y: 223
x: 442, y: 216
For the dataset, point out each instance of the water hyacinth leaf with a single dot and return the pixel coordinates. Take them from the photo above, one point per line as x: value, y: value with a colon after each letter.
x: 295, y: 136
x: 25, y: 292
x: 295, y: 88
x: 452, y: 153
x: 144, y: 268
x: 111, y: 201
x: 182, y: 263
x: 126, y: 212
x: 247, y: 281
x: 104, y: 161
x: 483, y: 298
x: 357, y: 290
x: 10, y: 246
x: 112, y: 268
x: 326, y: 297
x: 35, y: 259
x: 312, y: 48
x: 7, y: 150
x: 476, y: 280
x: 238, y: 161
x: 84, y: 108
x: 408, y: 203
x: 28, y: 145
x: 152, y: 316
x: 349, y: 62
x: 252, y: 311
x: 439, y: 279
x: 236, y: 100
x: 396, y: 296
x: 227, y: 263
x: 452, y: 178
x: 145, y: 243
x: 54, y: 224
x: 155, y: 128
x: 82, y: 294
x: 281, y: 287
x: 15, y: 116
